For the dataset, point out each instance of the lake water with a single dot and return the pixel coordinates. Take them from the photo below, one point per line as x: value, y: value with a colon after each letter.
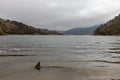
x: 73, y: 57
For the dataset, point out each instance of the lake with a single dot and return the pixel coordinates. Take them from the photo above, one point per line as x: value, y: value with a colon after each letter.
x: 62, y: 57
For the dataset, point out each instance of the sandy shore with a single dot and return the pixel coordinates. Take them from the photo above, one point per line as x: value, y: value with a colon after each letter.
x: 27, y: 72
x: 18, y: 68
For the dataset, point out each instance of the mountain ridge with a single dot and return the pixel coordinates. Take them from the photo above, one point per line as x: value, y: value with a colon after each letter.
x: 19, y: 28
x: 112, y: 27
x: 81, y: 31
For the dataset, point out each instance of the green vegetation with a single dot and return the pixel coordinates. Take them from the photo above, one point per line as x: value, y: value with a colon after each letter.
x: 112, y: 27
x: 1, y: 32
x: 14, y: 27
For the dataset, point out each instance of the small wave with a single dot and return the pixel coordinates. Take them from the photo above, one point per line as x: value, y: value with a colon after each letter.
x: 1, y: 52
x: 116, y: 52
x: 115, y: 56
x: 14, y: 55
x: 114, y: 62
x: 104, y: 61
x: 116, y: 48
x: 101, y: 66
x: 14, y: 50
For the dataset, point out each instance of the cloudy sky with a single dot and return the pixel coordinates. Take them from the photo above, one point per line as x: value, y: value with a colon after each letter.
x: 59, y: 14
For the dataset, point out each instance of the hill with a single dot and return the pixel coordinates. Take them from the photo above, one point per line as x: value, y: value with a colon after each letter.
x: 112, y: 27
x: 81, y: 31
x: 1, y: 32
x: 14, y: 27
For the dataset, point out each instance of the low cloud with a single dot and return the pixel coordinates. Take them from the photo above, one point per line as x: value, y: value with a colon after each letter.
x: 60, y: 14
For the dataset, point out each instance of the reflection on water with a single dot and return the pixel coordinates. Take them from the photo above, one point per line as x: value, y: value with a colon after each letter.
x: 21, y: 53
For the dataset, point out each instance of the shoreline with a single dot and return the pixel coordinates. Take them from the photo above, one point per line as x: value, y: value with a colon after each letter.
x: 28, y: 72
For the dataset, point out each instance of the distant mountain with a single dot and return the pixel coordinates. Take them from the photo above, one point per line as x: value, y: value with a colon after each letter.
x: 14, y: 27
x: 81, y: 31
x: 112, y: 27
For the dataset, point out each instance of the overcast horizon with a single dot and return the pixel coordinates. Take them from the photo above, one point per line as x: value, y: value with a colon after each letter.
x: 60, y: 14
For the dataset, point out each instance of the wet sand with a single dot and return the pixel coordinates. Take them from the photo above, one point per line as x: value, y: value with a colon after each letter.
x: 27, y: 71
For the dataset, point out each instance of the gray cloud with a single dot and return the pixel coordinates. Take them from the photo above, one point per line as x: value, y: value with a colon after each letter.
x: 59, y: 14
